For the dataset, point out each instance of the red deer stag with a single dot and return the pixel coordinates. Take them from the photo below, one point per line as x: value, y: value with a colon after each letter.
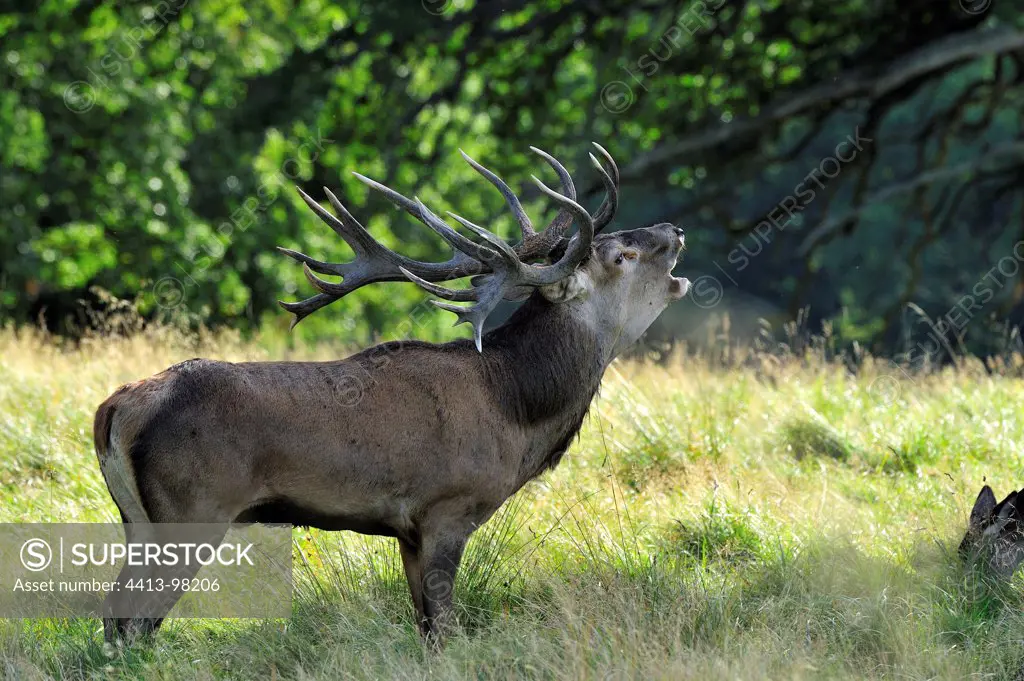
x: 412, y: 440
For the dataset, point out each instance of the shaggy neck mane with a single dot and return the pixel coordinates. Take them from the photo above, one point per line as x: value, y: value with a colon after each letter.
x: 543, y: 364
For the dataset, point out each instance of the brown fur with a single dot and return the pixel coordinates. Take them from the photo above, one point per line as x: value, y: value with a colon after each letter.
x: 412, y: 440
x: 101, y: 425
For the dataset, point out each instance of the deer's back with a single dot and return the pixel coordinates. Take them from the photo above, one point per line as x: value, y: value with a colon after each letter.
x: 287, y: 430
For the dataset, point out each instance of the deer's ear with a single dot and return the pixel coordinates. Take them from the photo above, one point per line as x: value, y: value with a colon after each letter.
x: 1007, y: 507
x: 565, y: 290
x: 983, y: 507
x: 1019, y: 506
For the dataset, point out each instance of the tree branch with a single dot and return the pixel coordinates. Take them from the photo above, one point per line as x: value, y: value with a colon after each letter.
x: 937, y: 56
x: 927, y: 177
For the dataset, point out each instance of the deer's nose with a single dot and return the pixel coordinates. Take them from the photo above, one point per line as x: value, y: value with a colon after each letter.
x: 680, y: 237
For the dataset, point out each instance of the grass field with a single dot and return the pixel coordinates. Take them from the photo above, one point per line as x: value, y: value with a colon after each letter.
x: 762, y: 518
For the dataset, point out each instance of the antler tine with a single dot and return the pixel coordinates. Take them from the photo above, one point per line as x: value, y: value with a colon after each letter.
x: 314, y: 264
x: 606, y: 211
x: 611, y: 161
x: 499, y: 244
x: 490, y: 294
x: 556, y: 228
x: 563, y: 175
x: 348, y: 228
x: 525, y: 226
x: 304, y: 308
x: 459, y: 295
x: 393, y: 196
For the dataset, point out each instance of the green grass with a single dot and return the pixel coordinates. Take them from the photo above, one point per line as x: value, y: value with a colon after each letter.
x: 775, y: 519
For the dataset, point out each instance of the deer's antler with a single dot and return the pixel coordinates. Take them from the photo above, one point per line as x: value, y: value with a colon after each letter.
x: 505, y: 272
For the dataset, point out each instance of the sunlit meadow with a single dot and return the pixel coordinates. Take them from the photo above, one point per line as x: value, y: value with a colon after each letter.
x: 724, y: 515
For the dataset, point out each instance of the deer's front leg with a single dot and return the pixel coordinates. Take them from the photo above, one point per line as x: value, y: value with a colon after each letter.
x: 414, y: 575
x: 440, y: 556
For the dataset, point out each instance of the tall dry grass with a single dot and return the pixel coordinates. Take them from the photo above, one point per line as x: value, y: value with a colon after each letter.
x: 786, y: 511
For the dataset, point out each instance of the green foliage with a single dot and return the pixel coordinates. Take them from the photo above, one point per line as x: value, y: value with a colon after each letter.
x: 152, y: 150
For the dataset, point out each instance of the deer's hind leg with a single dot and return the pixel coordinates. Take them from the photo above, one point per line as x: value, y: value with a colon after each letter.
x: 137, y: 607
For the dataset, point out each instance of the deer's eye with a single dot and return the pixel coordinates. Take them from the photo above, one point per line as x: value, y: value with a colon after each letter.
x: 626, y: 255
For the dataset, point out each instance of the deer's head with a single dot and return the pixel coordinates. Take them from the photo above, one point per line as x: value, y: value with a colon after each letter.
x: 625, y: 283
x: 995, y: 532
x: 617, y: 283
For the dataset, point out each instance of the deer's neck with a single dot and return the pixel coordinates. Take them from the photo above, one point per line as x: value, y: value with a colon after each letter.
x: 545, y: 366
x: 543, y: 362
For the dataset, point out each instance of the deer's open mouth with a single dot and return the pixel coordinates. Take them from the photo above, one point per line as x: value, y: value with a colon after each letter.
x: 678, y: 287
